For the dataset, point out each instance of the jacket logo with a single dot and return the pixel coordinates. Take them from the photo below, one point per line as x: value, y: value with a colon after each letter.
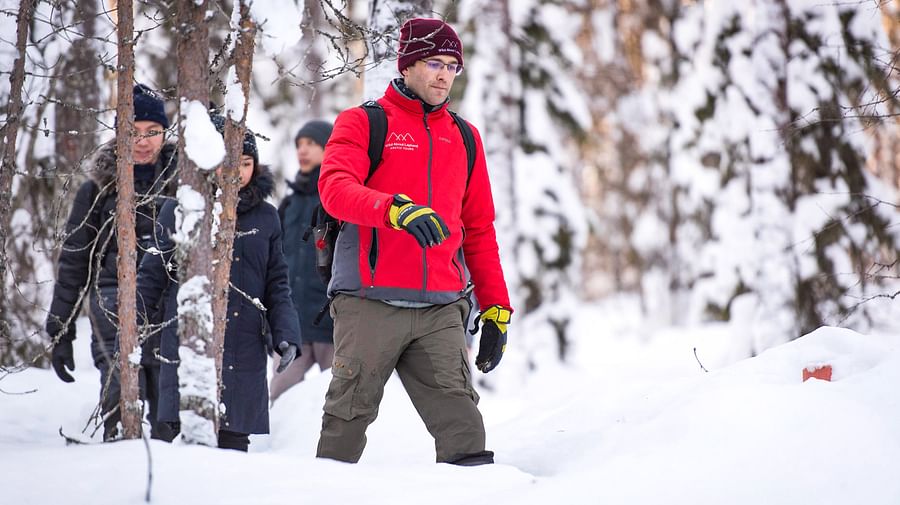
x: 401, y: 142
x: 401, y: 137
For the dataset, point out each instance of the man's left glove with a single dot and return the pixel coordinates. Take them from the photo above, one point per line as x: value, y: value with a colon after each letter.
x: 494, y: 320
x: 288, y: 353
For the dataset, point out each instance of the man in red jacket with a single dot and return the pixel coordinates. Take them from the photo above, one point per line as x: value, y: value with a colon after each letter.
x: 411, y: 233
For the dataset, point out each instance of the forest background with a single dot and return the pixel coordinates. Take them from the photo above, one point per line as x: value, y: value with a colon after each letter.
x: 731, y: 162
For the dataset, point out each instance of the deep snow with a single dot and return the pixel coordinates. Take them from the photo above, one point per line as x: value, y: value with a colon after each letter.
x: 632, y: 420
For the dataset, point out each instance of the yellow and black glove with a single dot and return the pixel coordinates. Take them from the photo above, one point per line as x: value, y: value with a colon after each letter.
x: 494, y: 321
x: 421, y: 222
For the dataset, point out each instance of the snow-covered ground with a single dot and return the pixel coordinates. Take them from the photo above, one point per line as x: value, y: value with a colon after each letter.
x: 632, y: 420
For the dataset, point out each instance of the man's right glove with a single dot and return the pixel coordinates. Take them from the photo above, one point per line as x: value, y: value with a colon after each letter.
x: 494, y: 320
x: 421, y: 222
x: 61, y: 358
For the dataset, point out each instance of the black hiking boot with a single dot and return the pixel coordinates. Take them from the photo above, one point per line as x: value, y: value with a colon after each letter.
x: 478, y: 458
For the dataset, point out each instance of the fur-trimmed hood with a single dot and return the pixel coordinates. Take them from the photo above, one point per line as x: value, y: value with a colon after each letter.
x: 103, y: 168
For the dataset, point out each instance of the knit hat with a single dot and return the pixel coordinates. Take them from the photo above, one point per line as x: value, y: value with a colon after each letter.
x: 148, y: 106
x: 318, y: 131
x: 423, y: 37
x: 249, y: 138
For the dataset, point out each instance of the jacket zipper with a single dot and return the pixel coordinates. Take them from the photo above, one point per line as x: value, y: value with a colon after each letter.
x: 373, y: 255
x: 458, y: 254
x: 458, y: 269
x: 430, y: 204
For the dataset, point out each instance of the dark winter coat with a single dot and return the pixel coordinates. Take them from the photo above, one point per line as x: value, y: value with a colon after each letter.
x: 307, y: 288
x: 259, y: 270
x: 90, y: 251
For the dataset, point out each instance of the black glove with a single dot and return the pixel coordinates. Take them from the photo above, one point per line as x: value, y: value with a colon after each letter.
x: 421, y: 222
x: 61, y: 358
x: 288, y: 353
x: 494, y: 321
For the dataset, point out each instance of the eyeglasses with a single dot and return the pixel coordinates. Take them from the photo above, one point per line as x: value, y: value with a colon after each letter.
x: 438, y: 65
x: 139, y: 136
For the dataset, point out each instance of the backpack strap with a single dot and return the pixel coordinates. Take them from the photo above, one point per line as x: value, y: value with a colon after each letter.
x: 468, y: 141
x: 377, y: 134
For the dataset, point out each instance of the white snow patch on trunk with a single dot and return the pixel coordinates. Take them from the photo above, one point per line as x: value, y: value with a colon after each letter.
x: 197, y: 378
x: 234, y: 96
x: 202, y: 142
x: 194, y: 301
x: 197, y: 429
x: 134, y: 357
x: 188, y: 214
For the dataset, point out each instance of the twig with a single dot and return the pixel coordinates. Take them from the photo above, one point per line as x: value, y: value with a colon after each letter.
x: 70, y: 440
x: 19, y: 392
x: 698, y: 361
x: 149, y: 466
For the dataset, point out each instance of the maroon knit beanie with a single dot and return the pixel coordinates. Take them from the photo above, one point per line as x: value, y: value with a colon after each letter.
x: 422, y: 37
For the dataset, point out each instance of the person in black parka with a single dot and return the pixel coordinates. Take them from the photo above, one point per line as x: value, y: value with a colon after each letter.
x: 307, y: 288
x: 87, y: 262
x: 258, y: 271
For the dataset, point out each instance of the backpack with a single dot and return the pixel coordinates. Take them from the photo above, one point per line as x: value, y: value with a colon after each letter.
x: 324, y: 228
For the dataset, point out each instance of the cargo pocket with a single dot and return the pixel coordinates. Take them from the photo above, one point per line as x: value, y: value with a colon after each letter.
x: 344, y: 382
x: 467, y: 376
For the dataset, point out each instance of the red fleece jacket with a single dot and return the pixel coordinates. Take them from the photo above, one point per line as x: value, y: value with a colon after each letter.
x: 424, y: 158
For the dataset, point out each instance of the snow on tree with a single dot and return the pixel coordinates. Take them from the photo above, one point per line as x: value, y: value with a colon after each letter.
x: 385, y: 19
x: 764, y: 212
x: 200, y: 150
x: 531, y: 114
x: 205, y: 217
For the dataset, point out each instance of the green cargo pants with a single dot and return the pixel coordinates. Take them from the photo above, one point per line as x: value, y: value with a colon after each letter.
x: 427, y: 348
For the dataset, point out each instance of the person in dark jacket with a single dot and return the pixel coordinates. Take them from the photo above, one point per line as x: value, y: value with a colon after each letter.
x: 307, y: 288
x: 259, y: 275
x: 413, y: 233
x: 87, y: 262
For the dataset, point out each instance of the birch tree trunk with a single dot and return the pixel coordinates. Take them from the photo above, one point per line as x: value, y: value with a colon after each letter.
x: 8, y: 168
x: 385, y: 19
x: 197, y: 377
x: 129, y: 347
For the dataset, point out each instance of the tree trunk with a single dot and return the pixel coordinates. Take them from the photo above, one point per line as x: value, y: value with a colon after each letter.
x: 197, y: 353
x: 8, y: 167
x: 230, y: 181
x: 312, y: 68
x: 385, y: 18
x: 77, y: 92
x: 129, y: 347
